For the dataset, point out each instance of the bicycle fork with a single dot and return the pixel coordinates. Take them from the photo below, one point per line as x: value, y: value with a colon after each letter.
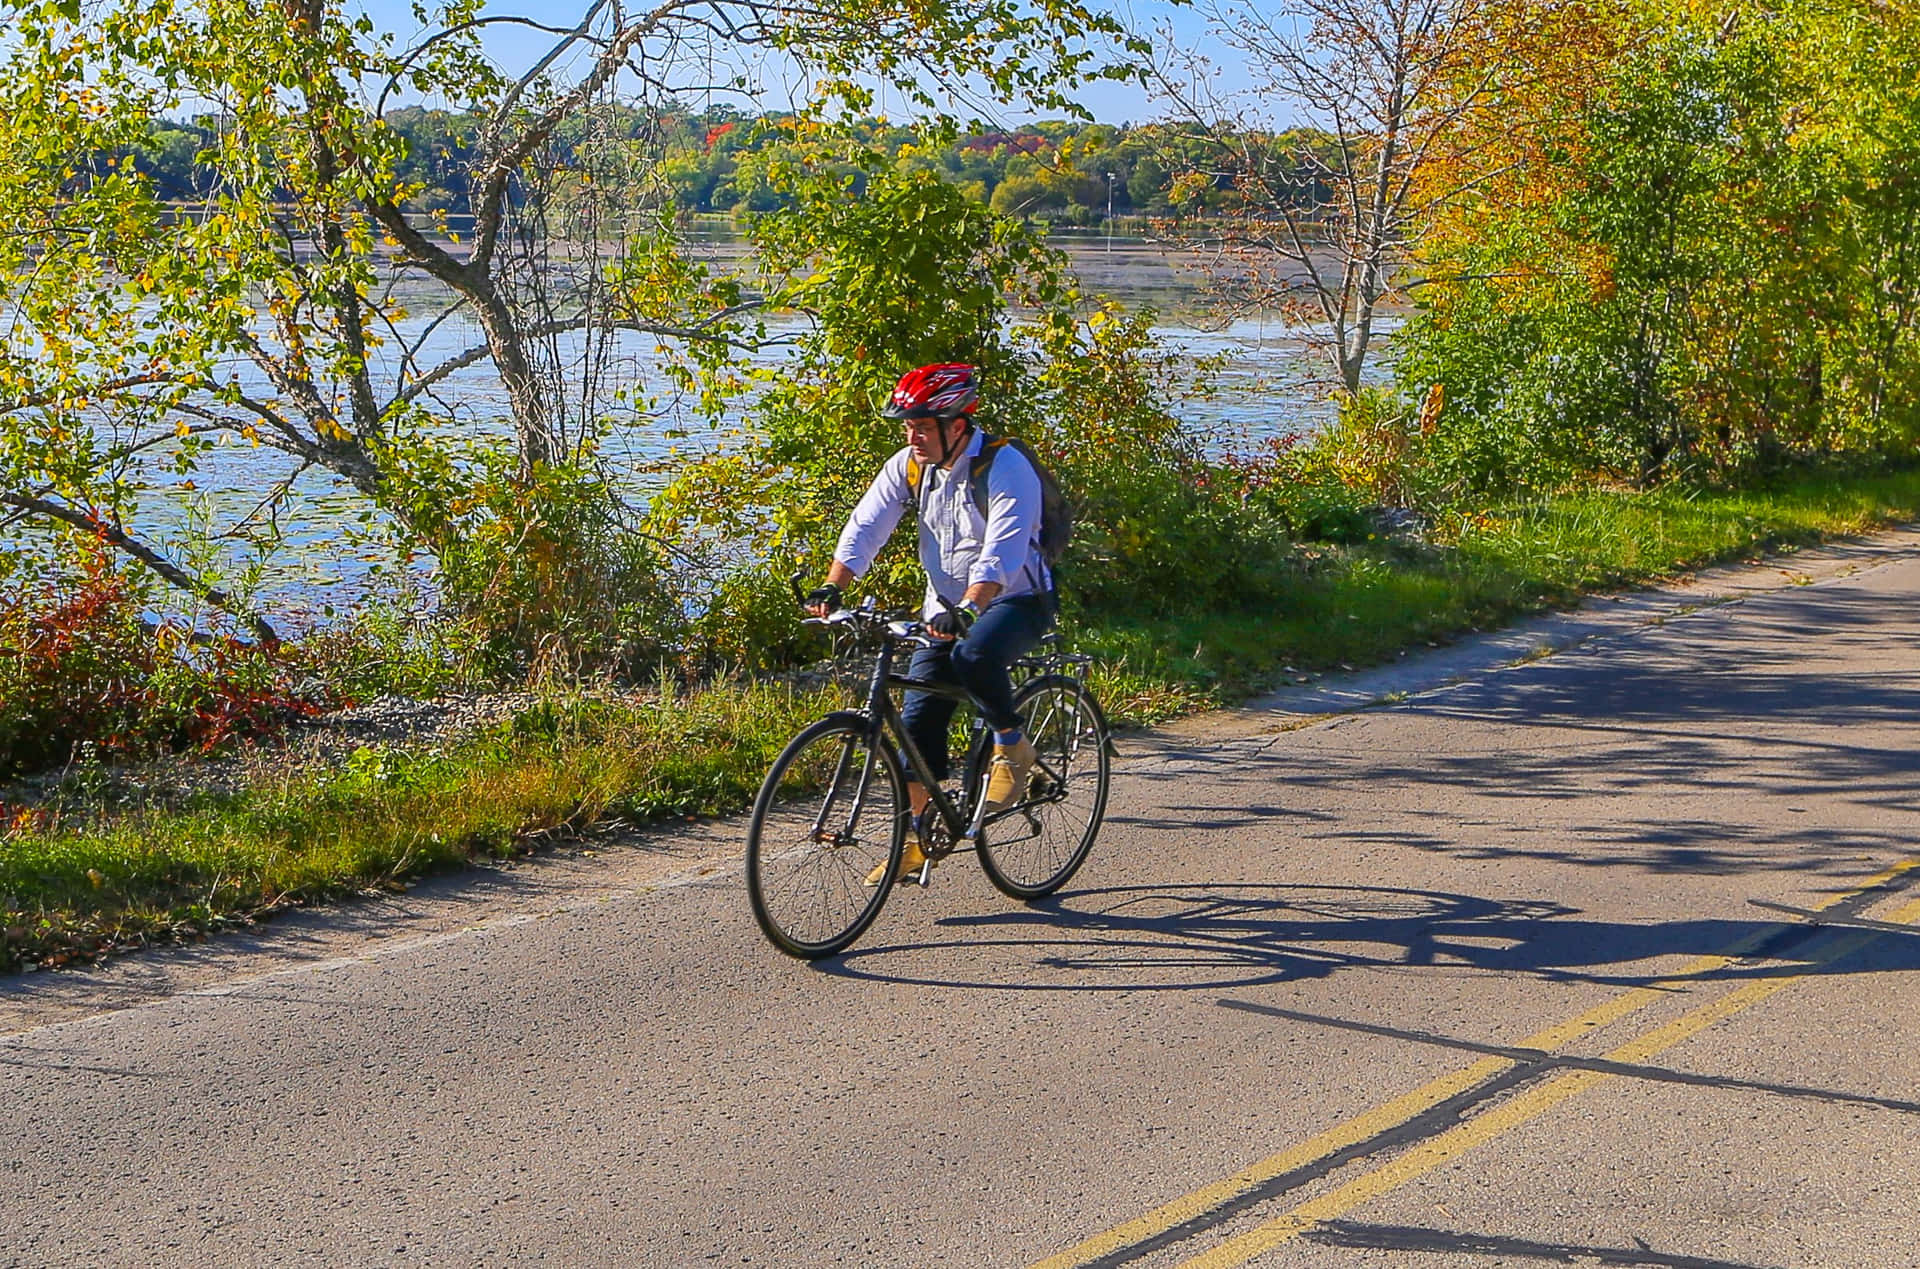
x: 843, y: 836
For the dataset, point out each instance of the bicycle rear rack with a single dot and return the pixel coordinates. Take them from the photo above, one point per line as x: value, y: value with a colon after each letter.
x: 1049, y: 659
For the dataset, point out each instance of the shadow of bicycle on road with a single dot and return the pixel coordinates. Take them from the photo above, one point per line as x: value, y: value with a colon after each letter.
x: 1210, y: 937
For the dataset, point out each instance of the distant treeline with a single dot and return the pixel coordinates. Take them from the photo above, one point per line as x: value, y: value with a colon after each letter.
x: 722, y: 160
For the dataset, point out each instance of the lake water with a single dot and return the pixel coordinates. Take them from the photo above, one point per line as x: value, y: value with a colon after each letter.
x: 1270, y: 383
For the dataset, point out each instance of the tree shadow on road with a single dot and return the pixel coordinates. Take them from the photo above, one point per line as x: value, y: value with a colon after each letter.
x: 1805, y: 702
x: 1406, y: 1238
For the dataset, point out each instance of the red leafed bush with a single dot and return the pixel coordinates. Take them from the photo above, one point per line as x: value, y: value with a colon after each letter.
x: 79, y: 661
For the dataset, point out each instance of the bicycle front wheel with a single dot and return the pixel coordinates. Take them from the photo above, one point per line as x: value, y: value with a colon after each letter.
x: 1038, y: 844
x: 832, y: 812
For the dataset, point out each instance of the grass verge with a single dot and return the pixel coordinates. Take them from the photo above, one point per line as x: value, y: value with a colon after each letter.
x: 107, y: 882
x: 1351, y: 606
x: 99, y: 883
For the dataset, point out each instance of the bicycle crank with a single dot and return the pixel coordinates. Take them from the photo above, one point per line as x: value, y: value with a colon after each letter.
x: 935, y: 838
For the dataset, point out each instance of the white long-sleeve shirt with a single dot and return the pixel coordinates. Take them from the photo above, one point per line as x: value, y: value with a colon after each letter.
x: 959, y: 547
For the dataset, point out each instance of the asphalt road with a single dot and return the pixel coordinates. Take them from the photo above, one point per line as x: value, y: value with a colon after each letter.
x: 1599, y: 957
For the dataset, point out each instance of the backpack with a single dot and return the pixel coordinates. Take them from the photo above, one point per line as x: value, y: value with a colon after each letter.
x: 1056, y: 513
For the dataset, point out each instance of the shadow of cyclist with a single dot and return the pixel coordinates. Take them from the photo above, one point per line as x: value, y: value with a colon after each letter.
x: 1178, y: 938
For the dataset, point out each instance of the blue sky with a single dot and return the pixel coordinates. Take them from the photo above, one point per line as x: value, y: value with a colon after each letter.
x: 780, y: 84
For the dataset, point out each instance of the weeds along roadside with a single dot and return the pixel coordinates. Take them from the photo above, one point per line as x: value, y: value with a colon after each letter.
x: 76, y: 885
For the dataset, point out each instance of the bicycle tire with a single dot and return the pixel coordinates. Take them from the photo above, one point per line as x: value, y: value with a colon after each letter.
x: 1036, y: 846
x: 809, y: 893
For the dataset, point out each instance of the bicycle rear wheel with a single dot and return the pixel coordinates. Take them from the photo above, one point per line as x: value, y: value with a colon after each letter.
x: 1037, y: 845
x: 832, y: 810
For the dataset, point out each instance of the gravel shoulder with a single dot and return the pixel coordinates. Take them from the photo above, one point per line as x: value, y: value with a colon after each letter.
x: 325, y: 740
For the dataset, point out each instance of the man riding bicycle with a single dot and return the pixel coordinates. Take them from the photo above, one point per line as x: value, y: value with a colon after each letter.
x: 989, y: 594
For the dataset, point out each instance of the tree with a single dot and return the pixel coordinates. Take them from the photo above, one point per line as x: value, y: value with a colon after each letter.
x: 1694, y: 251
x: 1323, y: 223
x: 1027, y: 195
x: 266, y: 312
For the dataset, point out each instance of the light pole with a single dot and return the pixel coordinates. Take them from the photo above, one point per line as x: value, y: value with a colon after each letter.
x: 1109, y: 214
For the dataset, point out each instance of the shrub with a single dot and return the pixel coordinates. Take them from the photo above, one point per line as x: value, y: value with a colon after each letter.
x: 1375, y: 456
x: 80, y: 662
x: 1160, y: 529
x: 383, y: 647
x: 541, y: 568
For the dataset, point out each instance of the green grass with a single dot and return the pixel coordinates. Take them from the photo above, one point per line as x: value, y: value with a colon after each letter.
x: 96, y: 883
x: 1350, y: 606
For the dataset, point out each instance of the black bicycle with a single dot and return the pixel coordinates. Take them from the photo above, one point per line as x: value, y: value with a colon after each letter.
x: 833, y: 812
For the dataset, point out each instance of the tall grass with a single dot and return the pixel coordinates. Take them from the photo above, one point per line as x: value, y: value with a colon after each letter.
x: 1361, y: 602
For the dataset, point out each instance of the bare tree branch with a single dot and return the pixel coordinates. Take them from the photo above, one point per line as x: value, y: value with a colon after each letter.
x: 700, y: 331
x: 109, y: 388
x: 273, y: 499
x: 412, y: 55
x: 1369, y: 72
x: 113, y: 535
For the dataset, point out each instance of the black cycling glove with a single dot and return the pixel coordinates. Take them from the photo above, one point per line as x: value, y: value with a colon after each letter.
x: 826, y: 595
x: 952, y: 624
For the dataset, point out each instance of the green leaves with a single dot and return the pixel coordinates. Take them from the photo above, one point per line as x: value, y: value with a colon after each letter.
x: 1034, y: 54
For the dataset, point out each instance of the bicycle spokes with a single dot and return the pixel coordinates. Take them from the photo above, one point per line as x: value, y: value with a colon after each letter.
x: 831, y: 813
x: 1065, y: 799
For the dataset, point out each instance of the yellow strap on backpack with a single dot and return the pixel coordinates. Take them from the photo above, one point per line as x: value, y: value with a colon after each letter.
x: 976, y: 473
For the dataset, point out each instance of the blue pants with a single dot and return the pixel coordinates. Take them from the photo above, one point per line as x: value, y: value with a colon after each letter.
x: 1005, y: 629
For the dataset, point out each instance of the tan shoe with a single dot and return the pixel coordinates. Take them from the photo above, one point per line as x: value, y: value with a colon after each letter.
x: 1012, y: 766
x: 911, y: 858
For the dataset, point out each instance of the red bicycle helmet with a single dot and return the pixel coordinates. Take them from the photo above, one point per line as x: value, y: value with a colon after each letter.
x: 943, y: 391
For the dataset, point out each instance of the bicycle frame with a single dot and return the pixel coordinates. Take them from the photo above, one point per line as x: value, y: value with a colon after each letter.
x: 885, y: 720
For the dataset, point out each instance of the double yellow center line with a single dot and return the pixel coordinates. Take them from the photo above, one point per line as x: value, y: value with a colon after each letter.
x: 1430, y: 1154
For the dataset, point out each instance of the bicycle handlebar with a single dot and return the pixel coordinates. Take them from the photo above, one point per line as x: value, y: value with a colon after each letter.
x: 897, y: 627
x: 863, y: 621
